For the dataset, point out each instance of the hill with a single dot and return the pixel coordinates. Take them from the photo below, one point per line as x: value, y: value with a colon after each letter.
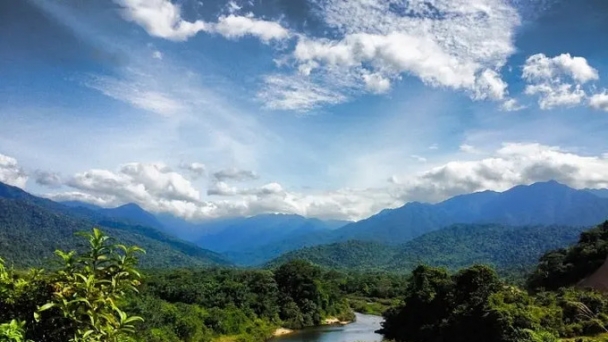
x: 504, y: 247
x: 351, y: 255
x: 509, y: 249
x: 32, y: 228
x: 546, y: 203
x: 257, y: 239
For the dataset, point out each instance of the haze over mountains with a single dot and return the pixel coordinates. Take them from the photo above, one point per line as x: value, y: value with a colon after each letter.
x: 396, y: 236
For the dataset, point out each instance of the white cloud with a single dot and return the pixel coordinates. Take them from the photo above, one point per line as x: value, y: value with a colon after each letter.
x: 540, y: 67
x: 599, y: 101
x: 48, y: 179
x: 376, y: 83
x: 11, y: 173
x: 234, y: 26
x: 138, y: 95
x: 557, y: 81
x: 196, y: 169
x: 157, y: 188
x: 162, y: 18
x: 223, y: 189
x: 296, y: 93
x: 460, y: 45
x: 152, y: 185
x: 469, y: 149
x: 512, y: 164
x: 511, y: 105
x: 234, y: 174
x: 555, y: 95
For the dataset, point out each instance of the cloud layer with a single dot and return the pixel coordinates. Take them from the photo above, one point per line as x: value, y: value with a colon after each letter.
x: 461, y: 45
x: 163, y: 19
x: 558, y: 81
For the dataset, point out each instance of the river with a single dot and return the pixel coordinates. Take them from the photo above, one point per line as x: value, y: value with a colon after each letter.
x: 360, y: 331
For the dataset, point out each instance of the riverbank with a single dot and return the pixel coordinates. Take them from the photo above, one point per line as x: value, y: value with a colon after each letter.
x: 361, y: 329
x: 282, y: 332
x: 328, y: 321
x: 335, y: 321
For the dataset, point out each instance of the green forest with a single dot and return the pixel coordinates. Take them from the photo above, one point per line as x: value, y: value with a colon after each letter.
x: 99, y: 293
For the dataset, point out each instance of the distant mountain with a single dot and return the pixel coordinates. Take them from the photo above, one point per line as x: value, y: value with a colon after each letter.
x: 31, y: 228
x: 257, y: 231
x: 599, y: 192
x: 79, y: 204
x: 509, y: 249
x: 130, y: 212
x: 546, y: 203
x: 351, y: 255
x: 134, y: 214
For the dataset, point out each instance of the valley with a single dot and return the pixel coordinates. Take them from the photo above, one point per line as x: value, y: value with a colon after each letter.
x: 243, y: 279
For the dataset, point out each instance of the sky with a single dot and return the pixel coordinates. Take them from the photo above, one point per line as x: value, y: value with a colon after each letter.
x: 323, y: 108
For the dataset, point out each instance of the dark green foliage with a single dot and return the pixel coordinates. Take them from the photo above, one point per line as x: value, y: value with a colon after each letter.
x: 512, y: 250
x: 473, y: 305
x: 350, y: 255
x: 193, y: 305
x: 506, y: 248
x: 567, y: 266
x: 29, y: 234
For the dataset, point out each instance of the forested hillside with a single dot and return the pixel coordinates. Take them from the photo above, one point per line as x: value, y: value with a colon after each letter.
x: 31, y: 228
x: 474, y: 305
x: 351, y: 255
x: 509, y: 249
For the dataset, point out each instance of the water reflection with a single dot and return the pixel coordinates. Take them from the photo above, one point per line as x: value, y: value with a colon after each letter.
x: 360, y: 331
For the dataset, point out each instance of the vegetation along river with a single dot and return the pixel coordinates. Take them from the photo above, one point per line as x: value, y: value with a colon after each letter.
x: 360, y: 331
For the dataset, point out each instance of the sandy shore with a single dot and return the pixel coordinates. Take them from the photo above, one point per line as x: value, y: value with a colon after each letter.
x: 332, y: 321
x: 281, y: 332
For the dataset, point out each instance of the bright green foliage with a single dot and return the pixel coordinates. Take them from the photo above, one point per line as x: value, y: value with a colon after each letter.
x: 81, y: 302
x: 567, y: 266
x: 12, y: 331
x: 89, y: 287
x: 247, y: 305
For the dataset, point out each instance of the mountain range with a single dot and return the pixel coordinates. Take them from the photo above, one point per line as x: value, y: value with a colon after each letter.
x: 509, y: 249
x: 545, y: 203
x: 256, y: 240
x: 32, y: 228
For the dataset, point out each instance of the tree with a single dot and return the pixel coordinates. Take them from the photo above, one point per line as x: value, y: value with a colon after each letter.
x: 90, y: 286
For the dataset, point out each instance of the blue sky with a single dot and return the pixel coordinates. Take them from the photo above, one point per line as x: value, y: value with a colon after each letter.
x: 323, y: 108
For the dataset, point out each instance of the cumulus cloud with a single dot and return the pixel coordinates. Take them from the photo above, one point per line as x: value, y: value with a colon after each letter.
x: 599, y: 101
x: 11, y: 173
x: 512, y: 164
x: 557, y: 81
x: 163, y: 19
x: 460, y: 45
x: 234, y: 174
x: 233, y: 26
x: 223, y: 189
x: 157, y: 188
x: 511, y: 105
x: 153, y: 185
x: 47, y: 178
x: 196, y: 169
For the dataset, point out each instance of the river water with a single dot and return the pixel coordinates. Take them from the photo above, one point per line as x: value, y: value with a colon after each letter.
x: 360, y: 331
